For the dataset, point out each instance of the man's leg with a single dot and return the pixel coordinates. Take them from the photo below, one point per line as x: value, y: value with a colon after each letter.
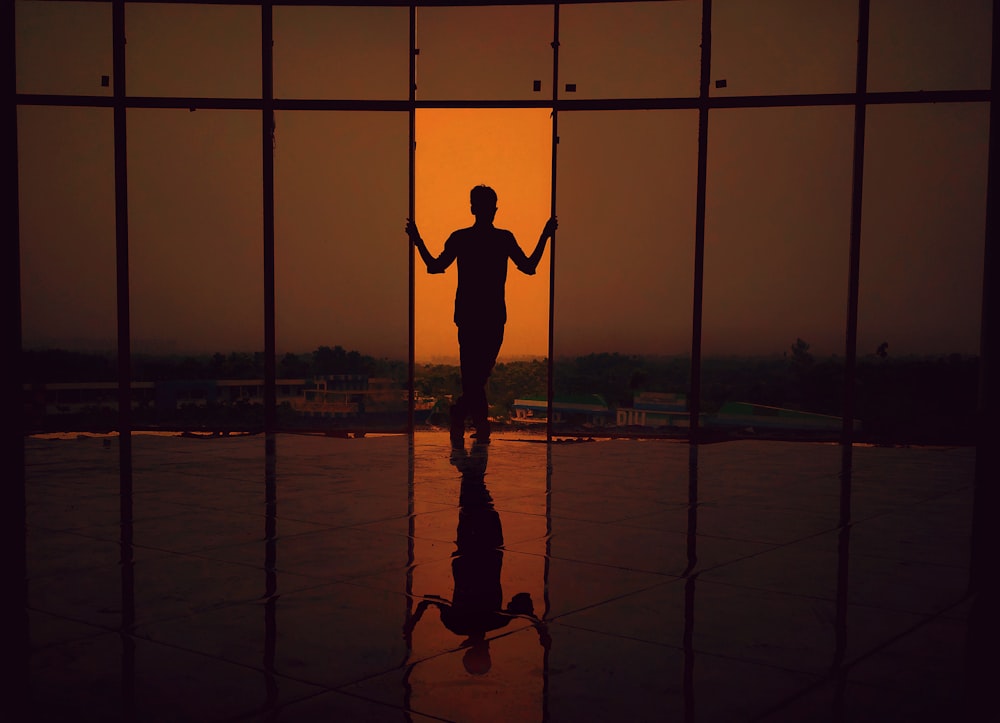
x: 479, y: 349
x: 457, y: 427
x: 468, y: 366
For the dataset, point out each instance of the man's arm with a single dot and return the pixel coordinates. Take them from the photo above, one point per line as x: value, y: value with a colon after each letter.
x: 434, y: 265
x: 528, y: 264
x: 419, y: 613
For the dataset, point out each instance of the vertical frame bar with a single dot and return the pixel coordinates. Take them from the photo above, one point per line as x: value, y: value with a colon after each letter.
x: 411, y: 354
x: 552, y: 212
x: 694, y: 403
x: 267, y: 156
x: 983, y: 583
x: 14, y: 520
x: 270, y: 351
x: 987, y: 491
x: 854, y: 261
x: 121, y: 248
x: 124, y: 363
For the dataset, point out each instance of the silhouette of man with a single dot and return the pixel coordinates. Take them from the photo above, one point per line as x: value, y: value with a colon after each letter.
x: 475, y: 609
x: 482, y: 251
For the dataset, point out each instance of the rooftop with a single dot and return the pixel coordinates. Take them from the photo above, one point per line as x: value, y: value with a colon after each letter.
x: 666, y: 581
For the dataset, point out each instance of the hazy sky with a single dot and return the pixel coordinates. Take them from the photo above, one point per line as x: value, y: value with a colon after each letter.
x: 778, y: 206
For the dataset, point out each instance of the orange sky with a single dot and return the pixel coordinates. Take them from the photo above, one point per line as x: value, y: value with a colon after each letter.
x: 509, y: 150
x: 778, y: 184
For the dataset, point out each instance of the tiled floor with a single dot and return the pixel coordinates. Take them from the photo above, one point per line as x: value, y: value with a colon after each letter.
x: 616, y: 580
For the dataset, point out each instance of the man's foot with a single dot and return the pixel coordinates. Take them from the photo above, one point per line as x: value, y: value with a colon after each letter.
x: 482, y: 435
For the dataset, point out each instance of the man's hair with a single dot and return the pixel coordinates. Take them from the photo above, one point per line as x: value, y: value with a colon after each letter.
x: 483, y: 197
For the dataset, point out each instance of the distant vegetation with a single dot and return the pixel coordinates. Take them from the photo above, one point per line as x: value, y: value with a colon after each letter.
x: 912, y: 398
x: 58, y: 365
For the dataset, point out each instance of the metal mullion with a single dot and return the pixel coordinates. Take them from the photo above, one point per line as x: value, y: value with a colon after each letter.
x: 694, y: 397
x: 854, y: 259
x: 550, y: 385
x: 125, y: 476
x: 13, y: 521
x: 986, y: 501
x: 411, y: 210
x: 267, y: 157
x: 122, y: 254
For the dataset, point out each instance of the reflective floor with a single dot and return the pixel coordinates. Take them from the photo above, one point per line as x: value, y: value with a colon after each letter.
x: 374, y: 580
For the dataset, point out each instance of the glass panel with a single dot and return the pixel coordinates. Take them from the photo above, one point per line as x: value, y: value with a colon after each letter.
x: 452, y: 157
x: 193, y: 51
x: 770, y: 47
x: 341, y: 52
x: 777, y: 236
x: 67, y: 236
x: 341, y: 269
x: 624, y: 271
x: 630, y: 50
x: 921, y: 270
x: 63, y: 47
x: 196, y: 266
x: 494, y: 53
x: 929, y: 45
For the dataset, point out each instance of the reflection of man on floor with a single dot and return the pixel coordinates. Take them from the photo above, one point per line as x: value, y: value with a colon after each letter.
x: 475, y: 608
x: 482, y: 251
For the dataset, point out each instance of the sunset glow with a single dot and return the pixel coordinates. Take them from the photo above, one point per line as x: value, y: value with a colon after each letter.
x: 509, y: 150
x: 778, y: 180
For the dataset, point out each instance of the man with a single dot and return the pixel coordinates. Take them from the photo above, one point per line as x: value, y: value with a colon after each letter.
x: 482, y: 251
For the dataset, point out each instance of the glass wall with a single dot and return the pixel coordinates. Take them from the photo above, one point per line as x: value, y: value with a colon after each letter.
x: 341, y: 269
x: 770, y: 47
x: 776, y: 226
x: 193, y: 51
x: 63, y: 47
x: 196, y: 266
x: 923, y: 222
x: 776, y: 257
x: 479, y: 53
x: 341, y: 52
x: 934, y: 44
x: 922, y: 270
x: 630, y: 49
x: 68, y: 288
x: 624, y: 270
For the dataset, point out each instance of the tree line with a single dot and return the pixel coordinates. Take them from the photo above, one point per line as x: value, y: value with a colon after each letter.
x: 912, y: 397
x: 61, y: 365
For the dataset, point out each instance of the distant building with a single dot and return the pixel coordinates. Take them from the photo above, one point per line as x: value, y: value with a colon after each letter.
x: 654, y: 409
x: 60, y: 398
x: 585, y: 410
x: 348, y: 396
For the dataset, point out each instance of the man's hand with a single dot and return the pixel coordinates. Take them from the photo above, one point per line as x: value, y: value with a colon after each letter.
x: 550, y: 227
x: 412, y: 232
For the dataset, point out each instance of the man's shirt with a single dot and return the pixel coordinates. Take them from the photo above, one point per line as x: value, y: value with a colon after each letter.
x: 481, y: 253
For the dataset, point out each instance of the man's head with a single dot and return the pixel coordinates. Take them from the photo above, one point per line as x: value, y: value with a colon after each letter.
x: 477, y: 660
x: 483, y: 201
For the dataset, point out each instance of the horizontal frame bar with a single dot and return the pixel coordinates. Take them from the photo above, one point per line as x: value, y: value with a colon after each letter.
x: 741, y: 101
